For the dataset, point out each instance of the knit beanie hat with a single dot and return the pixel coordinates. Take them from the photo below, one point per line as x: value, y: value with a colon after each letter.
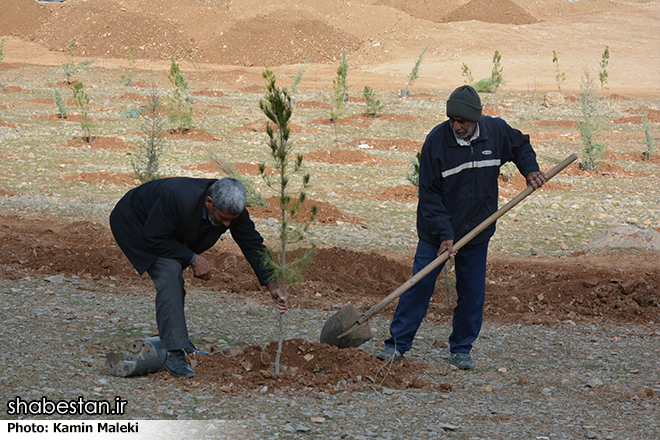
x: 464, y: 103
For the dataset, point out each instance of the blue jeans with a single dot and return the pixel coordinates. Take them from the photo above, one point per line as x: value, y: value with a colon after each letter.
x: 470, y: 263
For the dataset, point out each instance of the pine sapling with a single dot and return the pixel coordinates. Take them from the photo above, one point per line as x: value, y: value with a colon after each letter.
x: 414, y: 74
x: 127, y: 78
x: 59, y: 102
x: 374, y: 105
x: 146, y: 163
x: 649, y: 140
x: 340, y: 90
x: 278, y: 108
x: 179, y: 110
x: 467, y: 74
x: 82, y: 100
x: 559, y: 75
x: 603, y: 75
x: 590, y: 124
x: 296, y: 81
x: 2, y: 52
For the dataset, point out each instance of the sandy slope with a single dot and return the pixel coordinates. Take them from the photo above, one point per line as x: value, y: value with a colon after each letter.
x: 382, y: 37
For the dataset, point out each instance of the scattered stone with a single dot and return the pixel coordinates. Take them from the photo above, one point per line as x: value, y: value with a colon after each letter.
x: 595, y: 382
x: 488, y: 389
x: 553, y: 99
x: 591, y: 434
x: 440, y: 343
x: 502, y: 370
x: 646, y: 392
x: 55, y: 279
x: 317, y: 419
x: 627, y: 237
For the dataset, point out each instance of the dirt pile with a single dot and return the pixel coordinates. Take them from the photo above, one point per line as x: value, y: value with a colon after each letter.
x: 536, y: 290
x: 305, y: 366
x: 221, y: 33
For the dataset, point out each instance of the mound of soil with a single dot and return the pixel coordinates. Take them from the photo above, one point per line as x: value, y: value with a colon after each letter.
x: 304, y: 366
x: 267, y: 40
x: 578, y: 287
x: 491, y: 11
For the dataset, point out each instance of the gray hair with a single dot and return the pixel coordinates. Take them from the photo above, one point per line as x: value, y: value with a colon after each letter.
x: 228, y: 195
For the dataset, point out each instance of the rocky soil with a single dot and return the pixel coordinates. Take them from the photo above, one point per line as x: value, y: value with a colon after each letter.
x: 569, y: 348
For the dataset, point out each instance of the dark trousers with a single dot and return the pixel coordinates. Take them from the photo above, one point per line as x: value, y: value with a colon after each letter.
x: 167, y: 275
x: 470, y: 263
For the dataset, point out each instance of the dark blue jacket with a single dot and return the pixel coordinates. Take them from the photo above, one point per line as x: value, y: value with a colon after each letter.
x: 458, y: 184
x: 164, y: 218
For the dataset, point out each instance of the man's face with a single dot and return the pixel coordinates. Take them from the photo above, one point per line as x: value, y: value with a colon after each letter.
x: 217, y: 217
x: 463, y: 129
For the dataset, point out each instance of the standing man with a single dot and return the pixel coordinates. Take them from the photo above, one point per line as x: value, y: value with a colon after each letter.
x: 163, y: 226
x: 459, y: 166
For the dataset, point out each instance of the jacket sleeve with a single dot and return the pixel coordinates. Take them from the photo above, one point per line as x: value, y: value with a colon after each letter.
x: 160, y: 227
x: 522, y: 153
x: 434, y: 217
x: 252, y: 245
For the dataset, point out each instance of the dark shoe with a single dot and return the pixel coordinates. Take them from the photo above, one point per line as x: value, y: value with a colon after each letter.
x: 390, y: 354
x: 462, y: 361
x: 177, y: 364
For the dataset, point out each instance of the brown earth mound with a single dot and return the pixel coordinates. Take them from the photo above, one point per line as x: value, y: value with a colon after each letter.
x: 304, y: 366
x: 266, y: 41
x: 579, y: 288
x: 491, y: 11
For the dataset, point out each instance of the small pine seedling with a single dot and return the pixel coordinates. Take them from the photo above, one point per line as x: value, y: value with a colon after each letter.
x: 146, y: 162
x: 277, y: 106
x: 374, y: 105
x: 603, y: 74
x: 559, y: 75
x: 649, y: 140
x: 590, y: 124
x: 414, y: 74
x: 467, y: 74
x: 59, y: 102
x: 179, y: 110
x: 340, y: 90
x: 82, y: 99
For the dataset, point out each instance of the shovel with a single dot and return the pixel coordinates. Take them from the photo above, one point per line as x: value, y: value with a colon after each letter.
x: 349, y: 328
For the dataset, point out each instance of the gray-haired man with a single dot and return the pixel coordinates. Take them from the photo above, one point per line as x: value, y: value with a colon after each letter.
x: 163, y: 226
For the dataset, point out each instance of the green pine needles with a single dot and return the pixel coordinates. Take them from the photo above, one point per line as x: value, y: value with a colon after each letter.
x: 340, y: 90
x: 146, y: 163
x: 603, y: 75
x: 414, y: 74
x: 179, y: 109
x: 492, y: 83
x: 559, y: 74
x: 374, y: 105
x: 278, y: 108
x: 82, y: 100
x: 590, y: 124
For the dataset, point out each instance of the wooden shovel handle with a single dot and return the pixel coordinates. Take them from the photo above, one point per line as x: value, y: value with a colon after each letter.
x: 460, y: 243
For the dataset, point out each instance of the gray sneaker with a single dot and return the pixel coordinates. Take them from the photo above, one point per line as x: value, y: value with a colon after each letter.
x: 463, y: 361
x: 390, y: 354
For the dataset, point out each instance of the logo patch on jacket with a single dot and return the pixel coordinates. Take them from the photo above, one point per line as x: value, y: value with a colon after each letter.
x: 486, y: 152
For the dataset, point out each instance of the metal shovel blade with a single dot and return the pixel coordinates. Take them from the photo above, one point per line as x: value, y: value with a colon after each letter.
x: 342, y: 329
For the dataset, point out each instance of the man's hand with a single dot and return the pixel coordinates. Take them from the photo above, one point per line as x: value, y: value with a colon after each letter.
x: 281, y: 299
x: 201, y: 268
x: 536, y: 179
x: 447, y: 245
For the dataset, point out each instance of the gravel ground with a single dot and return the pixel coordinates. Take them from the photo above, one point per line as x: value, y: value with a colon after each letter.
x: 531, y: 382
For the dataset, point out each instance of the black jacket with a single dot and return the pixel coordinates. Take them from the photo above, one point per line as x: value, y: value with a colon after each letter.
x: 458, y: 184
x: 163, y: 218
